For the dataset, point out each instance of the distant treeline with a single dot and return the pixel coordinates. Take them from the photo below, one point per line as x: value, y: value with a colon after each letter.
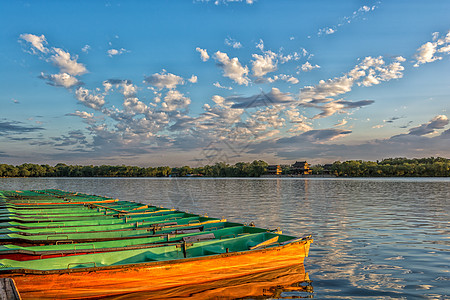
x: 391, y: 167
x: 241, y: 169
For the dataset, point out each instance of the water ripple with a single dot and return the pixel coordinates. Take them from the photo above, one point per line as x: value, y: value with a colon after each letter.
x: 373, y: 238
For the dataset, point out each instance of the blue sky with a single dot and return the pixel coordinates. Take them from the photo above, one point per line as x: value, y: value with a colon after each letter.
x: 196, y: 82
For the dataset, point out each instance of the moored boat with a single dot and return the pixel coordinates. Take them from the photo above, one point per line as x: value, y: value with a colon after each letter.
x: 102, y: 260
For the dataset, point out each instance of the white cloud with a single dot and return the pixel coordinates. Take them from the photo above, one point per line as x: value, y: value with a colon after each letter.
x: 425, y: 54
x: 66, y: 63
x: 294, y: 56
x: 203, y: 53
x: 260, y: 45
x: 114, y: 52
x: 267, y: 62
x: 93, y: 101
x: 86, y: 48
x: 174, y: 101
x: 263, y: 123
x: 164, y: 80
x: 284, y: 77
x: 232, y: 68
x: 88, y: 117
x: 62, y: 79
x: 435, y: 36
x: 82, y: 114
x: 37, y: 42
x: 233, y: 43
x: 217, y: 84
x: 371, y: 71
x: 306, y: 67
x: 193, y: 79
x: 357, y: 14
x: 263, y: 64
x: 127, y: 88
x: 432, y: 51
x: 300, y: 122
x: 134, y: 106
x: 292, y: 80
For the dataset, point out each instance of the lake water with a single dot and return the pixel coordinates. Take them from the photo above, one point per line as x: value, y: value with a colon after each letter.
x: 373, y: 238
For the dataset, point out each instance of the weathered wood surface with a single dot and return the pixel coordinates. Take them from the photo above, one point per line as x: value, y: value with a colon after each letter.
x: 8, y: 289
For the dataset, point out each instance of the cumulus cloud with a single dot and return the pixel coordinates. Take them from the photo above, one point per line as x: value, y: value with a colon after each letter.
x: 90, y: 100
x: 263, y: 64
x: 419, y: 142
x: 37, y: 42
x: 134, y: 106
x: 164, y: 80
x: 267, y: 62
x: 126, y: 87
x: 220, y: 115
x: 66, y: 63
x: 174, y: 101
x: 193, y: 79
x: 284, y: 77
x: 62, y: 79
x: 60, y: 58
x: 306, y: 67
x: 232, y: 68
x: 370, y: 71
x: 432, y: 51
x: 233, y: 43
x: 438, y: 122
x: 300, y: 122
x: 274, y: 97
x: 114, y: 52
x: 203, y: 53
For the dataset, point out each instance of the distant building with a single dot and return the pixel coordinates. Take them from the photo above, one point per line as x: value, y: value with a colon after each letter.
x: 301, y: 168
x: 274, y: 170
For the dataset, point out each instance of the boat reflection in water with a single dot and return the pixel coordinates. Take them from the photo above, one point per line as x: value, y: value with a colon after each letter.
x: 284, y: 283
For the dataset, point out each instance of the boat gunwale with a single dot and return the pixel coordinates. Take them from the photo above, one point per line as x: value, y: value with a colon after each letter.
x: 23, y: 272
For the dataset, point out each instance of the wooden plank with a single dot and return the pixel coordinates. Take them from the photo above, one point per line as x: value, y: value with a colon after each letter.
x: 265, y: 243
x: 8, y: 289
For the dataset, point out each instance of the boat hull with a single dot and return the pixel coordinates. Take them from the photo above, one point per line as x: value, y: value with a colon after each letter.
x: 149, y: 277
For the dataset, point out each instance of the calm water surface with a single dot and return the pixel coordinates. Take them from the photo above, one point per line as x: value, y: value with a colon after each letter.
x: 373, y: 238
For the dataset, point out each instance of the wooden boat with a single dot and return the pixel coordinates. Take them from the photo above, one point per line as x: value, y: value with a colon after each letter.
x: 259, y: 285
x: 132, y: 262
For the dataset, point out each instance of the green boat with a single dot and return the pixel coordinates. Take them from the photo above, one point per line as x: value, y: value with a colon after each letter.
x: 58, y: 244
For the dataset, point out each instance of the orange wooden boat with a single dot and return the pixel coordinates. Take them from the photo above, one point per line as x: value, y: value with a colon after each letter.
x: 184, y: 263
x: 99, y: 282
x: 261, y: 285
